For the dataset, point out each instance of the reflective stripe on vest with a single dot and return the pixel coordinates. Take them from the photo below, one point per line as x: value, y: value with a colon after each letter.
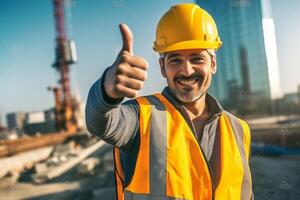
x: 170, y: 163
x: 119, y: 176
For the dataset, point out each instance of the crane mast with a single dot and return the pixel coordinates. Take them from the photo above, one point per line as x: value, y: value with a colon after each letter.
x: 65, y: 105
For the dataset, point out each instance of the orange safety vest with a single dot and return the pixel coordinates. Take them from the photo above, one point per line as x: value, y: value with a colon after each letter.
x: 171, y: 164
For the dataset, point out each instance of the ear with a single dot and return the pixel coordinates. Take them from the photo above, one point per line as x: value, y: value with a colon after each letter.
x: 214, y: 65
x: 162, y: 67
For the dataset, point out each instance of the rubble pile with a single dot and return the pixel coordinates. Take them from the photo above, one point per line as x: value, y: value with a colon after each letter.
x: 84, y: 162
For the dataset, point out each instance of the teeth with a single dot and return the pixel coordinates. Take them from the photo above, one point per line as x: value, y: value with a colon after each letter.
x: 187, y: 82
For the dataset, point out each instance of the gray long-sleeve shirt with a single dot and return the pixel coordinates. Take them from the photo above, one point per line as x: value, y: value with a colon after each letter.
x: 110, y: 120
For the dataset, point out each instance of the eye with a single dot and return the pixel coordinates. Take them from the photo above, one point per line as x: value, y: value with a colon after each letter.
x: 175, y: 61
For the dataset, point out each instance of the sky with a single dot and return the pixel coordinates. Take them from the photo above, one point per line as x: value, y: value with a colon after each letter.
x: 27, y: 43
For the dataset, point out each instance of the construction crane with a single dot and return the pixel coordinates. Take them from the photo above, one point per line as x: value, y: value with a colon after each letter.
x: 65, y: 104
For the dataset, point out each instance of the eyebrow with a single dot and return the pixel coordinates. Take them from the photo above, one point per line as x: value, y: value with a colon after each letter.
x: 173, y: 55
x: 198, y: 54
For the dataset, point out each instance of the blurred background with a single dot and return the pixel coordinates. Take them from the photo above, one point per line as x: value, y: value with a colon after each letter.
x: 51, y: 52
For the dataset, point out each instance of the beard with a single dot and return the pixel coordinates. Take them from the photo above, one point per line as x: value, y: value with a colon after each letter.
x: 189, y: 93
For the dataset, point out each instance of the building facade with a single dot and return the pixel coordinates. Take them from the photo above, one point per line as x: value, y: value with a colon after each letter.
x: 40, y: 122
x: 247, y: 70
x: 15, y: 120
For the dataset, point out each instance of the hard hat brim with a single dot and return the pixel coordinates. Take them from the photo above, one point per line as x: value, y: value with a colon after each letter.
x: 185, y: 45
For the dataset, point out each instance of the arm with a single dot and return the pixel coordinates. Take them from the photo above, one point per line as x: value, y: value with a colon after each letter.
x: 110, y: 120
x: 105, y: 116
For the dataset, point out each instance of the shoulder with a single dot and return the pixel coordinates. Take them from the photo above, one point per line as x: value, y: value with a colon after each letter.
x: 148, y: 99
x: 239, y: 125
x: 241, y: 128
x: 235, y: 119
x: 137, y: 103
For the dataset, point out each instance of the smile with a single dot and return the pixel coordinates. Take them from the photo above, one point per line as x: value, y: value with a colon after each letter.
x: 186, y: 82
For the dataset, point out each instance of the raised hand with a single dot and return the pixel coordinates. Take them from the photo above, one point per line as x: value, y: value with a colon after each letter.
x: 127, y: 74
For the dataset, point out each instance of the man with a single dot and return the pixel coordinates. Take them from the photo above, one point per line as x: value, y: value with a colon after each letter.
x: 179, y: 144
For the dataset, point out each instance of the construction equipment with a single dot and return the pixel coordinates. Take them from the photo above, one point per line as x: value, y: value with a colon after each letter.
x: 65, y: 104
x: 11, y: 147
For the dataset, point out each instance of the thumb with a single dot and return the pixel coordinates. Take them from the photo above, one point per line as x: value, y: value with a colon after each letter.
x: 127, y: 38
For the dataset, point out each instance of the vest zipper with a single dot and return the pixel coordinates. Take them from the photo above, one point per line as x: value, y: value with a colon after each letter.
x: 189, y: 122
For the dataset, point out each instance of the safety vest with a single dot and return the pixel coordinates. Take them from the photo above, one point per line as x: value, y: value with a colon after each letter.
x: 170, y: 163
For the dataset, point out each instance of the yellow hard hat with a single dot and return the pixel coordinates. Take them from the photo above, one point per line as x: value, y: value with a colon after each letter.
x: 186, y: 26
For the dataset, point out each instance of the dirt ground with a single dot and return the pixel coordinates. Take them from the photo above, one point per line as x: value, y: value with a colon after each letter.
x: 96, y: 184
x: 274, y: 178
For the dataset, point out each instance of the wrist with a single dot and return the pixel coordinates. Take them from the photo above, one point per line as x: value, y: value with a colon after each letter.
x: 105, y: 88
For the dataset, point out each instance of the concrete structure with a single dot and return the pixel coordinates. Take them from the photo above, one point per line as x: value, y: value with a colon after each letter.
x: 34, y: 117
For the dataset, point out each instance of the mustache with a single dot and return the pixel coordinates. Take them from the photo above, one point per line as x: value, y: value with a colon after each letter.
x: 195, y: 75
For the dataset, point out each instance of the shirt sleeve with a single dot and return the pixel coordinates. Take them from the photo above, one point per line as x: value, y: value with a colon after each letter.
x: 107, y: 118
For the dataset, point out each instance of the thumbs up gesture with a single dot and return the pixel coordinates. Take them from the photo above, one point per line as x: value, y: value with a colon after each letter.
x: 127, y: 74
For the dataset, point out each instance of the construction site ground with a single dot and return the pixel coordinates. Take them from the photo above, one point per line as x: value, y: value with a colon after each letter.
x: 95, y: 180
x: 274, y: 177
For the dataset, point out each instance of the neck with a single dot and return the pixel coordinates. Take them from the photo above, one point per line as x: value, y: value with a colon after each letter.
x: 197, y: 108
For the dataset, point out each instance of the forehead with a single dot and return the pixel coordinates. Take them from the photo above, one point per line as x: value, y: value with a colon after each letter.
x: 187, y: 53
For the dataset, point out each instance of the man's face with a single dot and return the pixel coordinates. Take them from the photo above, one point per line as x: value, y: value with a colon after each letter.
x: 188, y: 73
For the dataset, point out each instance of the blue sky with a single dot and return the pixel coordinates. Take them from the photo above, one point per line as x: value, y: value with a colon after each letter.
x: 27, y: 42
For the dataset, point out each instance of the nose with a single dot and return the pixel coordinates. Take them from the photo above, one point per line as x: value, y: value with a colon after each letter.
x: 187, y: 68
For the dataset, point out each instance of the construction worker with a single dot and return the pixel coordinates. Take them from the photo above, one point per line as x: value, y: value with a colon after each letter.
x: 178, y: 144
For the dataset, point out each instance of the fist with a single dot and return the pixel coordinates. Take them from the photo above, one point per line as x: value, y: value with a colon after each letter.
x: 127, y: 74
